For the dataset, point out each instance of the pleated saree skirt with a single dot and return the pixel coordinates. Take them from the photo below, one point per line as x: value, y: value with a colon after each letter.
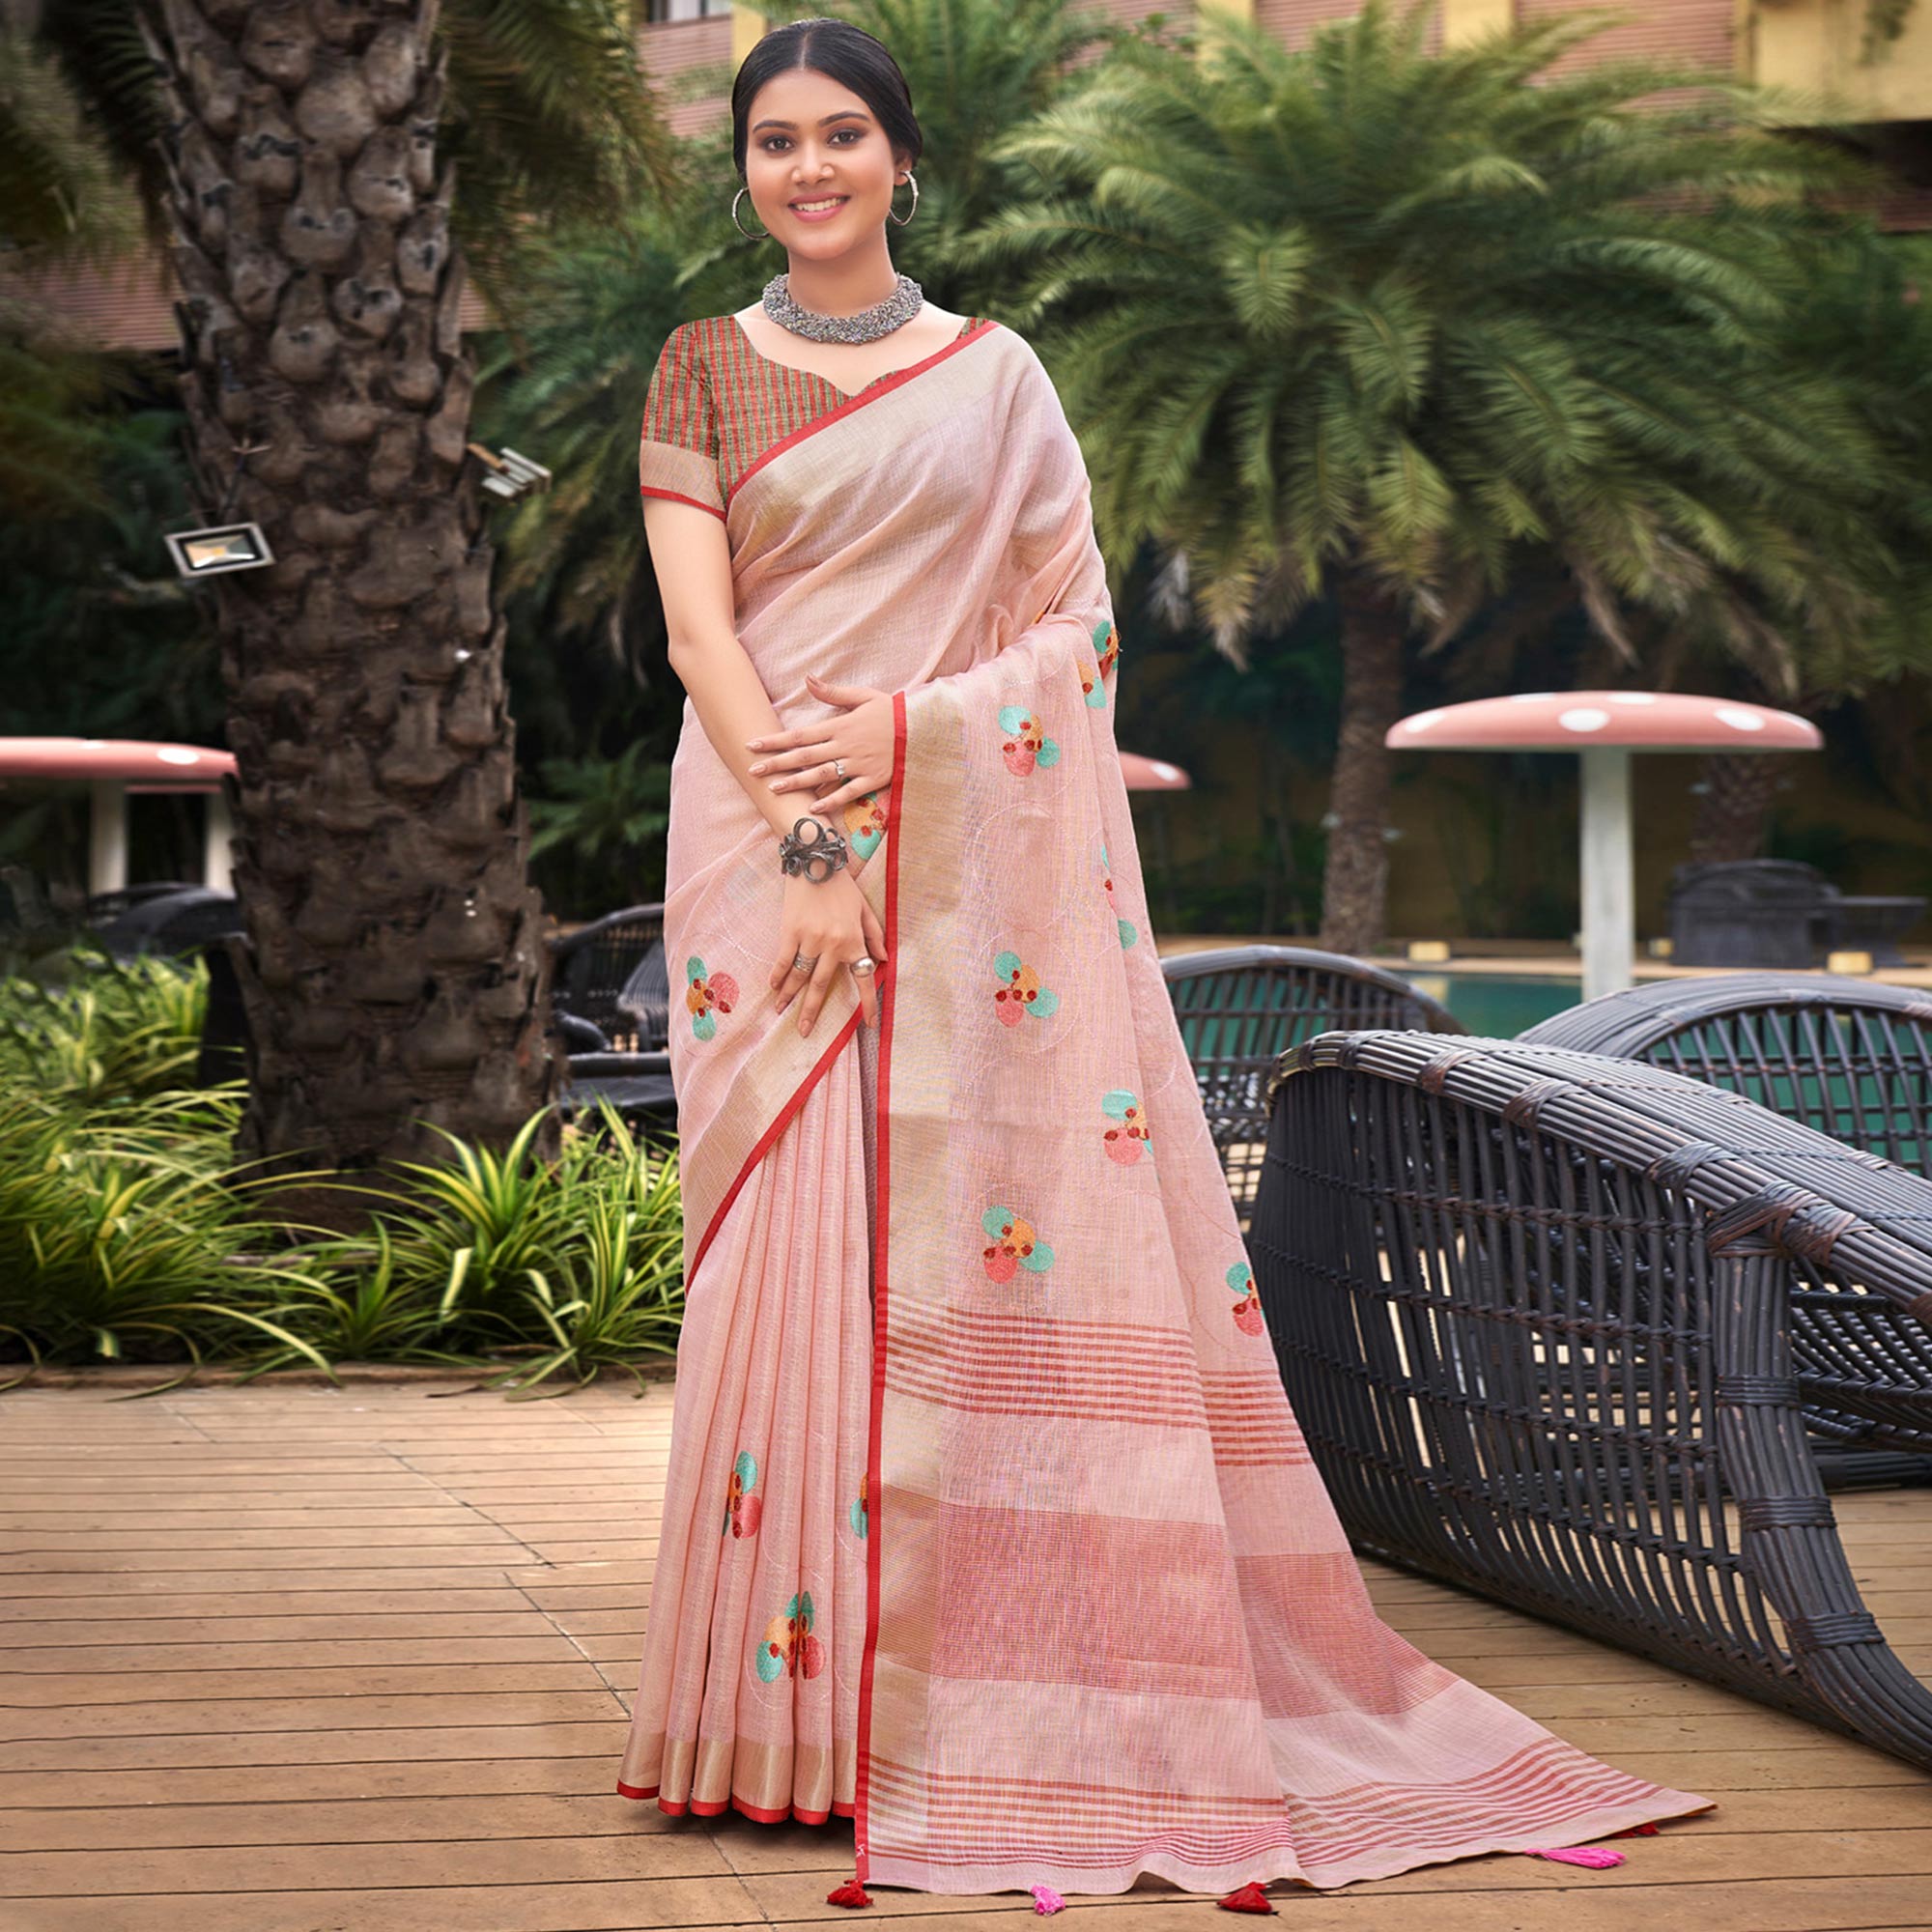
x: 749, y: 1691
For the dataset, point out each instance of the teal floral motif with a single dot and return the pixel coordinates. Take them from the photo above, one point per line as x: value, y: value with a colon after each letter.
x: 1026, y: 744
x: 1248, y: 1309
x: 1127, y: 1140
x: 788, y: 1645
x: 1125, y: 927
x: 705, y: 994
x: 1107, y: 653
x: 864, y: 823
x: 857, y: 1515
x: 741, y: 1509
x: 1020, y: 993
x: 1015, y: 1246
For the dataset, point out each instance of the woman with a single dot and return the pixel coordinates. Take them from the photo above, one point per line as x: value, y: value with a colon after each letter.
x: 987, y: 1521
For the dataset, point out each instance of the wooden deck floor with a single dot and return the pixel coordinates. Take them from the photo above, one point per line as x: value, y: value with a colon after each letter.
x: 299, y: 1660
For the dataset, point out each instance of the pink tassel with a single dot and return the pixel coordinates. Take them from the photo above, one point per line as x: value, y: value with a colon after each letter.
x: 1249, y: 1898
x: 1581, y: 1854
x: 851, y: 1892
x: 1045, y: 1898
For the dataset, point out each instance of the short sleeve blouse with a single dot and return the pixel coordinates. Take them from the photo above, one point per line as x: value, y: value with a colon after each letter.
x: 677, y: 452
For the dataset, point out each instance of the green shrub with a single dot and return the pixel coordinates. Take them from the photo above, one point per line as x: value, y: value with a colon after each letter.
x: 87, y: 1029
x: 126, y: 1232
x: 124, y: 1237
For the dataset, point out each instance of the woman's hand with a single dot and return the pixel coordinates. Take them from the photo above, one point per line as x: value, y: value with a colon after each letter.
x: 832, y: 924
x: 800, y: 760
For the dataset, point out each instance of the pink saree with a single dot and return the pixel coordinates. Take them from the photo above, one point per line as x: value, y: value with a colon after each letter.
x: 987, y: 1521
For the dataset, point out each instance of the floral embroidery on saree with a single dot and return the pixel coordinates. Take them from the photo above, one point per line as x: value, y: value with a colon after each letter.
x: 1015, y: 1246
x: 1129, y: 1140
x: 857, y: 1514
x: 705, y: 993
x: 1125, y: 927
x: 1020, y: 993
x: 1248, y: 1310
x: 741, y: 1509
x: 1107, y: 649
x: 1026, y: 744
x: 866, y: 821
x: 788, y: 1647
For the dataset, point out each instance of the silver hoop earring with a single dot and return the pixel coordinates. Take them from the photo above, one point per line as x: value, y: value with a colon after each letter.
x: 763, y: 234
x: 901, y: 220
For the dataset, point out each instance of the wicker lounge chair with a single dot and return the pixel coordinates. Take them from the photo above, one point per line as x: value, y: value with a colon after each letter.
x: 1852, y: 1057
x: 1241, y: 1007
x: 638, y: 1085
x: 602, y: 963
x: 1533, y: 1309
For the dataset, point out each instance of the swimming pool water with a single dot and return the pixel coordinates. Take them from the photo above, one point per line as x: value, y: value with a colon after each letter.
x: 1498, y: 1005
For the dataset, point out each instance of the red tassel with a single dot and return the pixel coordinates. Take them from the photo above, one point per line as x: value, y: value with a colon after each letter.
x: 1581, y: 1854
x: 851, y: 1892
x: 1250, y: 1898
x: 1636, y: 1831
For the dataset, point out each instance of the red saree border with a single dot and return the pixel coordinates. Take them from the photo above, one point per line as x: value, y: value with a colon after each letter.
x: 872, y: 391
x: 779, y: 1121
x: 761, y: 1814
x: 678, y: 496
x: 881, y: 1251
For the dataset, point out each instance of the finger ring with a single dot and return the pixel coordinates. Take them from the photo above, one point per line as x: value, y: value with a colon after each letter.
x: 801, y: 964
x: 839, y: 766
x: 864, y: 965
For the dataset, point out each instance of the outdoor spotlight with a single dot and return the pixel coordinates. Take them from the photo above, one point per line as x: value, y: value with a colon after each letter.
x: 223, y: 546
x: 510, y: 475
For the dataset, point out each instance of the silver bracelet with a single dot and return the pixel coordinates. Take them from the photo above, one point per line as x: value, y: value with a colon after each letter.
x: 815, y: 857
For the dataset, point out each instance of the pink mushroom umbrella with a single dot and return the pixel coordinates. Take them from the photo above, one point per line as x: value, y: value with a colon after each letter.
x: 1153, y: 773
x: 1606, y: 727
x: 114, y: 767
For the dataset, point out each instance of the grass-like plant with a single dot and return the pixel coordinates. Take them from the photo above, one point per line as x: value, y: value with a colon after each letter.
x: 127, y: 1233
x: 124, y: 1237
x: 619, y: 1298
x: 87, y: 1028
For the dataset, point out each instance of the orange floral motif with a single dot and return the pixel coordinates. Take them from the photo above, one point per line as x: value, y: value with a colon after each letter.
x: 787, y: 1646
x: 865, y: 824
x: 1015, y: 1246
x: 1127, y: 1141
x: 1107, y: 653
x: 741, y: 1509
x: 1026, y: 744
x: 705, y: 994
x: 1248, y: 1310
x: 1020, y: 993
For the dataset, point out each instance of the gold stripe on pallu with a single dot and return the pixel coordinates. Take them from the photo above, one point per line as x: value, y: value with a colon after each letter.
x: 771, y: 1081
x: 916, y: 1135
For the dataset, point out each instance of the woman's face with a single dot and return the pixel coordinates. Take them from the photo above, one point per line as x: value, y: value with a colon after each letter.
x: 811, y: 139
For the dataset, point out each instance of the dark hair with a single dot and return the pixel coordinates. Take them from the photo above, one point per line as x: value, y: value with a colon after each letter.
x: 842, y: 51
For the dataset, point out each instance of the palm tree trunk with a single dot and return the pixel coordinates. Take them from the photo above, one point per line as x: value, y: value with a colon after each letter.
x: 396, y: 976
x: 1735, y: 795
x: 1355, y: 884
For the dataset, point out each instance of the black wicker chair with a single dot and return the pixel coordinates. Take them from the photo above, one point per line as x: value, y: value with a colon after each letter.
x: 1533, y: 1309
x: 600, y: 963
x: 1852, y: 1057
x: 638, y: 1085
x: 1241, y: 1007
x: 168, y: 921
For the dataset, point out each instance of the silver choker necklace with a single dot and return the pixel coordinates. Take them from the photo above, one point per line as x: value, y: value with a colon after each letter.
x: 868, y: 325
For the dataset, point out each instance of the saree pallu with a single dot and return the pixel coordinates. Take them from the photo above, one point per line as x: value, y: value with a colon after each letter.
x: 987, y: 1519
